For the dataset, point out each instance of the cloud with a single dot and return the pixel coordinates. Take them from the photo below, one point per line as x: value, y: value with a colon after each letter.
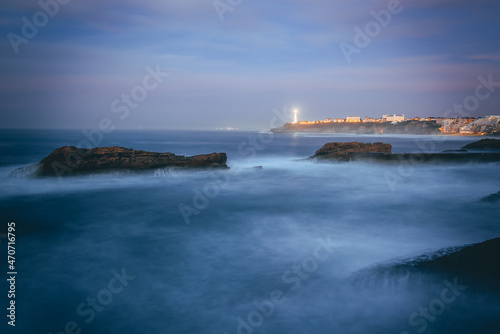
x: 491, y: 57
x: 263, y: 51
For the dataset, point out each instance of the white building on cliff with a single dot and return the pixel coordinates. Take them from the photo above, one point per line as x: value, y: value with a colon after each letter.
x: 393, y: 118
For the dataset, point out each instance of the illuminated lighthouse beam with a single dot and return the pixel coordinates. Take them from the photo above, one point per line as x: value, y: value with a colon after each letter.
x: 295, y: 118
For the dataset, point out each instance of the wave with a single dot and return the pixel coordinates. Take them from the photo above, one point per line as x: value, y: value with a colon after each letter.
x: 24, y: 172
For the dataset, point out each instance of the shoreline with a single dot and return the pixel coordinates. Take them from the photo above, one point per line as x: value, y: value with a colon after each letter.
x: 410, y: 127
x: 384, y: 134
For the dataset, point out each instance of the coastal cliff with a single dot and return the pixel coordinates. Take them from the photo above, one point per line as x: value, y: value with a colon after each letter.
x: 406, y: 127
x: 69, y: 160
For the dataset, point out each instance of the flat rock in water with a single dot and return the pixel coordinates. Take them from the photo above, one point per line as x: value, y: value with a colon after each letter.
x: 484, y: 144
x: 344, y: 151
x: 493, y: 198
x: 69, y: 160
x: 381, y: 152
x: 475, y: 264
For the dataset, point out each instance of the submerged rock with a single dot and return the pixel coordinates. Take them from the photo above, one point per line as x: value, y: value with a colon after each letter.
x: 69, y: 160
x: 475, y: 265
x: 493, y: 198
x: 484, y: 144
x: 459, y: 150
x: 380, y: 152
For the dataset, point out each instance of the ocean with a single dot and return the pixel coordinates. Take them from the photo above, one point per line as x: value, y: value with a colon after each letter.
x: 244, y: 250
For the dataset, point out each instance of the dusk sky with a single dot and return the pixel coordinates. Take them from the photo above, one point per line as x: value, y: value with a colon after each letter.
x: 230, y: 62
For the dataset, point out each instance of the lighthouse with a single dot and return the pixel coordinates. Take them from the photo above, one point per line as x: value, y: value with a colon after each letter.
x: 295, y: 118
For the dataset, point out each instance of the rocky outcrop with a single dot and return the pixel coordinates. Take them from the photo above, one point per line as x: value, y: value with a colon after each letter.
x: 420, y: 158
x: 475, y: 264
x: 69, y: 160
x: 493, y: 198
x: 380, y: 152
x: 406, y: 127
x: 346, y: 151
x: 484, y: 144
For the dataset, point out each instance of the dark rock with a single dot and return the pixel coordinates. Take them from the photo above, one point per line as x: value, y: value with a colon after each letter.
x: 484, y: 144
x: 418, y: 158
x: 451, y: 151
x: 345, y: 151
x: 69, y: 160
x: 475, y: 265
x: 493, y: 198
x: 380, y: 152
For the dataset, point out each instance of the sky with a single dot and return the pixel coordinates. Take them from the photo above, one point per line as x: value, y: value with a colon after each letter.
x: 205, y: 64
